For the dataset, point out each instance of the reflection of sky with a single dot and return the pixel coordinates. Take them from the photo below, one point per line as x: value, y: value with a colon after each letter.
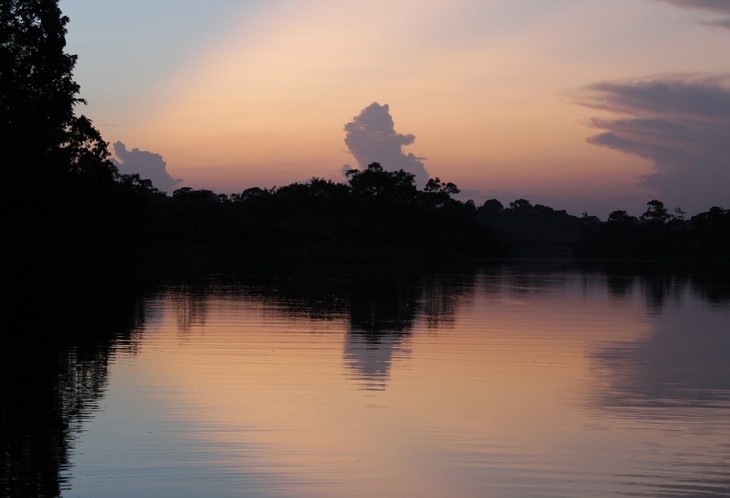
x: 685, y: 363
x: 675, y: 381
x: 500, y: 402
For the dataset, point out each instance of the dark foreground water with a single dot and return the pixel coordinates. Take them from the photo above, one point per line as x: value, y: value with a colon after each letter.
x: 522, y: 381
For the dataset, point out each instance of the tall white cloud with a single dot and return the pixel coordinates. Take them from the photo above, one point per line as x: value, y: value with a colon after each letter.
x: 371, y: 137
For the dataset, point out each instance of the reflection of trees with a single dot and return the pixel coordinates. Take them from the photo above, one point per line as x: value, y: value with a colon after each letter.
x: 659, y: 287
x: 659, y: 283
x: 191, y: 305
x: 378, y: 307
x: 53, y: 371
x: 380, y: 304
x: 712, y: 288
x: 382, y: 313
x: 527, y: 278
x: 441, y: 295
x: 620, y: 285
x: 191, y: 311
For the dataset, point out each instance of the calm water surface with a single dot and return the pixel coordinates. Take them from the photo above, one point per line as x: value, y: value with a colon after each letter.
x: 497, y: 383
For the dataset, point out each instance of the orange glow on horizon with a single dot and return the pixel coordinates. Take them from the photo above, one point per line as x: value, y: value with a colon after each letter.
x: 265, y: 102
x: 269, y: 102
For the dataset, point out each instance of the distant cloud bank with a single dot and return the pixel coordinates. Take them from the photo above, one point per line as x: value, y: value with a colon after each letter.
x: 715, y: 6
x: 679, y: 122
x: 148, y: 165
x: 371, y: 137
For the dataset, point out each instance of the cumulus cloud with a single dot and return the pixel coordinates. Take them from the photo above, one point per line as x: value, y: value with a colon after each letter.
x: 147, y: 164
x: 679, y: 122
x: 371, y: 137
x: 714, y: 6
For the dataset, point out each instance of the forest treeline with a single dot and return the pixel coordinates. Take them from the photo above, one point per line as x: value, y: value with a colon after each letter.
x: 655, y: 235
x: 65, y: 205
x: 658, y: 235
x: 382, y: 216
x: 377, y: 215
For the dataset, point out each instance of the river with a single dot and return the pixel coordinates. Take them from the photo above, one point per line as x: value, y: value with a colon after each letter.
x: 526, y: 380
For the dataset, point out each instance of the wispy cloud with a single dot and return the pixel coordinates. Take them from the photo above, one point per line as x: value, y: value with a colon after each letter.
x: 714, y: 6
x: 147, y: 164
x: 371, y: 137
x: 719, y: 23
x: 718, y: 6
x: 679, y: 122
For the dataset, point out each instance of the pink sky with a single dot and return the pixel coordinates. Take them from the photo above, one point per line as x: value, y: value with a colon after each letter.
x: 494, y: 91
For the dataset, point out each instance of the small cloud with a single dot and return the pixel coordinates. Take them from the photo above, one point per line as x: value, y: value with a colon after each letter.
x: 721, y: 7
x: 146, y: 164
x: 679, y: 122
x: 371, y: 137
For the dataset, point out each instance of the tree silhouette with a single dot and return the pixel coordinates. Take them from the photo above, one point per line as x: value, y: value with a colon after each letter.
x: 38, y: 128
x: 660, y: 236
x: 621, y: 216
x: 63, y: 205
x: 376, y: 182
x: 520, y: 204
x: 656, y: 212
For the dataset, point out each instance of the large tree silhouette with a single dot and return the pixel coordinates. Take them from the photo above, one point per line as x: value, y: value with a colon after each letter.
x: 39, y: 132
x: 62, y: 201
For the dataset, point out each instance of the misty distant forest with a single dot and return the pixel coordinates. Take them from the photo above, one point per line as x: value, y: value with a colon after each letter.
x: 67, y: 206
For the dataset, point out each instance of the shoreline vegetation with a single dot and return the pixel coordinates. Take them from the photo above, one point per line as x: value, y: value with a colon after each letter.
x: 381, y: 217
x: 67, y: 209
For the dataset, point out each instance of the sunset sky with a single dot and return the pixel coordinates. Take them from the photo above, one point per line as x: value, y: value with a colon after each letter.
x: 585, y: 105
